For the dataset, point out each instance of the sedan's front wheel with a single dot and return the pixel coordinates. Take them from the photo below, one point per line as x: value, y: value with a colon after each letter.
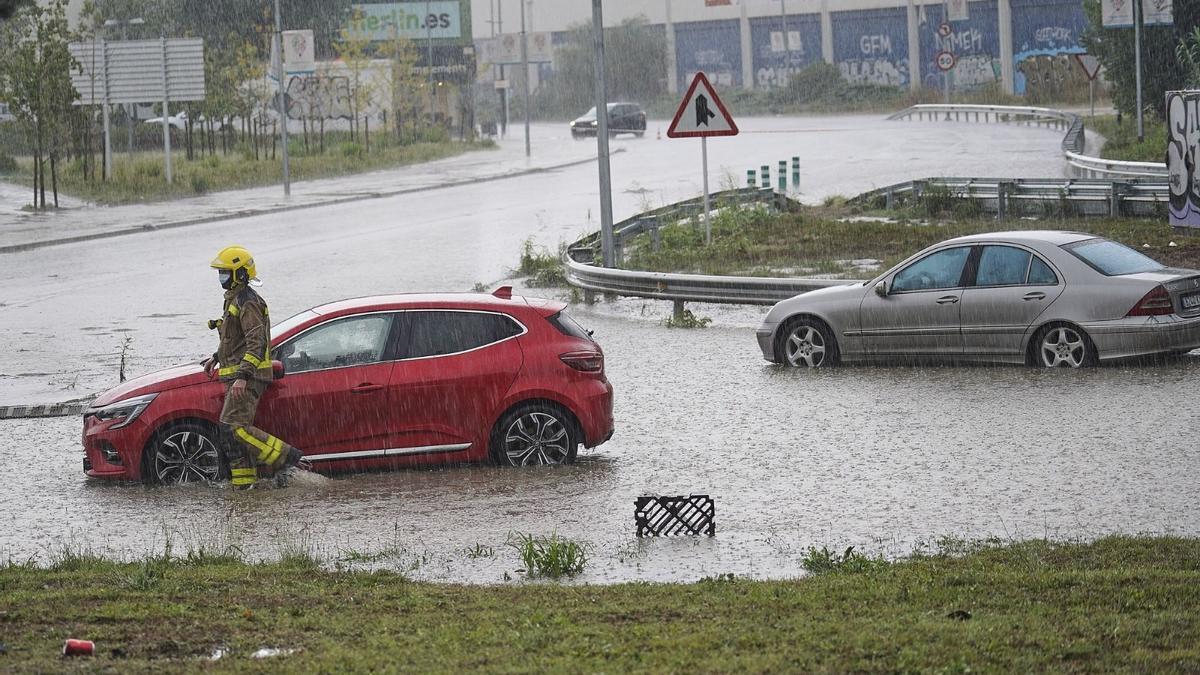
x: 184, y: 453
x: 1064, y: 347
x: 807, y: 343
x: 535, y: 434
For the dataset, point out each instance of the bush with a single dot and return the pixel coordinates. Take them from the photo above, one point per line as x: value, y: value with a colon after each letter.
x: 824, y: 561
x: 199, y: 184
x: 7, y: 164
x: 432, y: 135
x: 352, y: 150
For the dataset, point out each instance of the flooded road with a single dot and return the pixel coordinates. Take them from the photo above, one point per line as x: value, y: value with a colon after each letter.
x: 881, y: 458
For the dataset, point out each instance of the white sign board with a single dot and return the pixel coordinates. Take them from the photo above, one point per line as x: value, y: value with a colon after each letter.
x: 1117, y: 13
x: 298, y: 56
x: 701, y: 113
x: 1157, y: 13
x: 507, y: 48
x: 134, y: 71
x: 957, y: 10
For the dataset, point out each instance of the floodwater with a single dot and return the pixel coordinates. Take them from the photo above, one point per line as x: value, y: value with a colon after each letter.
x: 882, y: 458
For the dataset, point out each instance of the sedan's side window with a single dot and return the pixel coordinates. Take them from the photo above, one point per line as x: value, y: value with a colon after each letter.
x: 438, y: 333
x: 1040, y: 273
x: 1002, y: 266
x: 351, y: 341
x: 936, y: 270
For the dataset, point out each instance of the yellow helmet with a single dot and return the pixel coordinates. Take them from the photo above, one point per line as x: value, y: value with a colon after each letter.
x: 238, y: 262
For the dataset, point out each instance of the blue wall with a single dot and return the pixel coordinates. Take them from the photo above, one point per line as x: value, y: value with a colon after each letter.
x: 772, y: 66
x: 975, y: 42
x: 714, y: 47
x: 1045, y: 32
x: 871, y: 46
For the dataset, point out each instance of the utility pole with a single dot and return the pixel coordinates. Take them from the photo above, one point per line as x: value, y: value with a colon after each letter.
x: 283, y: 120
x: 428, y: 56
x: 606, y: 222
x: 525, y: 68
x: 783, y: 21
x: 1137, y: 61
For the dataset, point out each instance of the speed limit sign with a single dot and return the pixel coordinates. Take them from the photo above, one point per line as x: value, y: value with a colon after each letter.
x: 945, y: 61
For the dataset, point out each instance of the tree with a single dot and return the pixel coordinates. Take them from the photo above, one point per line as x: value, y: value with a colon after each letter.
x: 406, y: 83
x: 354, y: 51
x: 1162, y: 71
x: 1188, y: 53
x: 35, y: 81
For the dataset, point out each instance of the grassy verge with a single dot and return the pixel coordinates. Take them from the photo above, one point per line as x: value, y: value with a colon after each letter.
x: 1121, y: 139
x: 141, y: 178
x: 757, y: 242
x: 1116, y: 604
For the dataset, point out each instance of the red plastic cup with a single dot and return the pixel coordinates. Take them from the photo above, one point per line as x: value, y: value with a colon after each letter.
x: 74, y: 647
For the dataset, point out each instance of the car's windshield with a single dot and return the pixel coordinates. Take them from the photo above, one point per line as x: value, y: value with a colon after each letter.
x: 1112, y: 259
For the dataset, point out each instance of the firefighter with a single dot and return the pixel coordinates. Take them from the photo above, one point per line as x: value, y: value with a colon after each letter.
x: 243, y: 362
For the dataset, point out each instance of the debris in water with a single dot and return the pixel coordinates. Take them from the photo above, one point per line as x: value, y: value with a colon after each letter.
x: 73, y: 647
x: 218, y: 654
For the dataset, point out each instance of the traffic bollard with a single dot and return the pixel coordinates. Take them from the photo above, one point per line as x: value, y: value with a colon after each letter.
x: 796, y: 173
x: 750, y: 178
x: 764, y: 176
x: 783, y: 175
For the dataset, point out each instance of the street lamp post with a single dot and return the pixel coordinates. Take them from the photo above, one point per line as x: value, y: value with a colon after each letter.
x: 525, y: 78
x: 283, y: 130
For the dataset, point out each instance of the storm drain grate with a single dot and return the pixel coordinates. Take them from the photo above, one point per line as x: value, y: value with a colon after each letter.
x: 671, y: 516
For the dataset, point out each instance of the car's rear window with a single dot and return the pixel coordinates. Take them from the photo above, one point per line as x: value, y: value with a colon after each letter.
x: 1112, y: 259
x: 568, y: 326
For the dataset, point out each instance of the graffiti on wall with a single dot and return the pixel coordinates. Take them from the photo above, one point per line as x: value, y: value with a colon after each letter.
x: 318, y: 96
x: 713, y: 47
x: 775, y: 63
x: 1044, y: 31
x: 871, y: 46
x: 1183, y: 157
x: 974, y: 42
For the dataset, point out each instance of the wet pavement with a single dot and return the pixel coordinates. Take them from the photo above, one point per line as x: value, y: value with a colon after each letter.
x: 881, y: 458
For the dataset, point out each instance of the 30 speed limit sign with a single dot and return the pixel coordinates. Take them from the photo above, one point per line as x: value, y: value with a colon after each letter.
x: 945, y: 61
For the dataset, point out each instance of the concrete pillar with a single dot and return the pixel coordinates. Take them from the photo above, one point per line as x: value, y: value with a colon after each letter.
x: 672, y: 68
x: 747, y: 50
x: 914, y: 49
x: 826, y: 32
x: 1007, y: 79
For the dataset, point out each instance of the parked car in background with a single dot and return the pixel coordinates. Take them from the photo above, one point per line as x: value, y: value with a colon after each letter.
x: 1053, y: 299
x: 379, y: 382
x: 623, y: 118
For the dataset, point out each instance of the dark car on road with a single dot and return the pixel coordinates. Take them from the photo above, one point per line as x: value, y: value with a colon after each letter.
x: 623, y: 118
x: 378, y: 382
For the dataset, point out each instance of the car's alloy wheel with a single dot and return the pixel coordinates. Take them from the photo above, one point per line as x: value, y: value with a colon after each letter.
x: 806, y: 345
x: 1064, y: 347
x: 184, y: 455
x: 536, y: 436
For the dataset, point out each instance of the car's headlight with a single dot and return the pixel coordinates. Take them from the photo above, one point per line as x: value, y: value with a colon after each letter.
x: 124, y: 411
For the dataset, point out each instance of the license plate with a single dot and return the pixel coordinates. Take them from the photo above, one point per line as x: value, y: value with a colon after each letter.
x: 1190, y: 301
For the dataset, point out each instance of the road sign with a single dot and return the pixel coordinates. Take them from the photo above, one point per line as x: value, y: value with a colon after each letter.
x: 945, y: 61
x: 957, y: 10
x: 1090, y: 65
x: 298, y: 52
x: 701, y: 113
x: 945, y: 29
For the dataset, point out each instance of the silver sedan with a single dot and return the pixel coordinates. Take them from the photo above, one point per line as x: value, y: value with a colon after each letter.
x: 1054, y: 299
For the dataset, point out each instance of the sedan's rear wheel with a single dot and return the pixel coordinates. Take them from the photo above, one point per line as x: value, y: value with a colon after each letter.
x: 1064, y: 347
x: 807, y: 343
x: 185, y: 453
x: 535, y: 434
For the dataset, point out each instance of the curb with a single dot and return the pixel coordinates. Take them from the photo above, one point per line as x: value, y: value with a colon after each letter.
x: 19, y: 248
x: 15, y: 412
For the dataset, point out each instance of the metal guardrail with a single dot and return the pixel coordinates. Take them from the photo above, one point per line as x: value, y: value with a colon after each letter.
x: 1033, y: 196
x: 1084, y: 166
x: 683, y: 288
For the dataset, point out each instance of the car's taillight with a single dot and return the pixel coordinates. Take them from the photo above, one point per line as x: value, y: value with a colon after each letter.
x: 586, y: 361
x: 1155, y: 303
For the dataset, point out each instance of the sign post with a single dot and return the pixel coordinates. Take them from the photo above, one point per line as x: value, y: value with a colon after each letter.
x: 700, y: 115
x: 1091, y: 68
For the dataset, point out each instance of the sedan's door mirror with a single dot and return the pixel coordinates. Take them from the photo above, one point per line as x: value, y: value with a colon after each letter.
x: 881, y: 289
x: 277, y: 369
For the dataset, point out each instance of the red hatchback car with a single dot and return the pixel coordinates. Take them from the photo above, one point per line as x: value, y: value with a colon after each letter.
x: 379, y: 382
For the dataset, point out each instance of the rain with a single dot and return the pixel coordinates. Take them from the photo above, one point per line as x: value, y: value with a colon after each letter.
x: 395, y: 189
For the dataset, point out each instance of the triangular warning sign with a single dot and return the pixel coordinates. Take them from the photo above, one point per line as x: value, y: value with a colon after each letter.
x: 701, y: 113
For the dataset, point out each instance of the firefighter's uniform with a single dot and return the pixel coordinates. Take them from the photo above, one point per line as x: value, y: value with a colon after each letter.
x: 244, y: 353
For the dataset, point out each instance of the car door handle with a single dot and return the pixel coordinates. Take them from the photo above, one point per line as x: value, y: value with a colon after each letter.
x: 365, y: 388
x: 947, y: 300
x: 1034, y: 296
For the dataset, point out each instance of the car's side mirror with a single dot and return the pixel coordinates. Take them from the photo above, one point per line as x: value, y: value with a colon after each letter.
x: 881, y: 289
x: 277, y: 369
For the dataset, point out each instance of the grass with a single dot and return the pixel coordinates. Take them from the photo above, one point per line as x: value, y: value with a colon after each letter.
x: 1121, y: 139
x: 820, y: 240
x: 1120, y: 603
x: 141, y: 178
x: 551, y: 556
x: 543, y: 268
